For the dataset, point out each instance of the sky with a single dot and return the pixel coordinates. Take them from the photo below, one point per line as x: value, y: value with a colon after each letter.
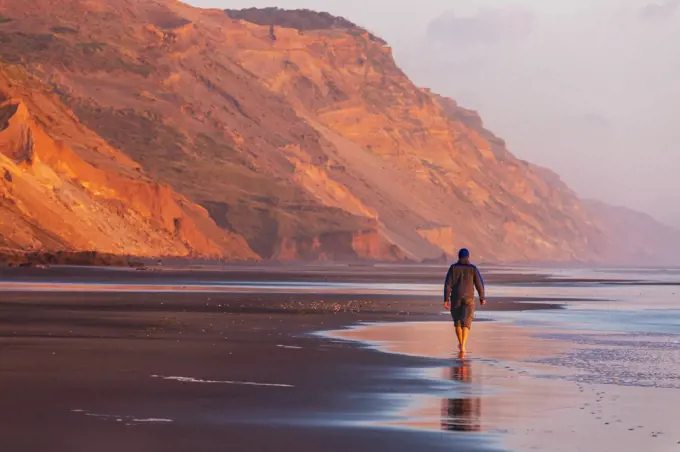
x: 587, y: 88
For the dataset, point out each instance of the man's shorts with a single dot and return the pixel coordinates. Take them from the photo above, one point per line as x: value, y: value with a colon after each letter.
x: 463, y: 312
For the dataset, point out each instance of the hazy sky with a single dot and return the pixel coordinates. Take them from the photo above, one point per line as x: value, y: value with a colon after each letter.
x: 588, y: 88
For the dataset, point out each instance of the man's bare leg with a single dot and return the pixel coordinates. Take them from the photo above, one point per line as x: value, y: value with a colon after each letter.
x: 459, y: 335
x: 463, y: 339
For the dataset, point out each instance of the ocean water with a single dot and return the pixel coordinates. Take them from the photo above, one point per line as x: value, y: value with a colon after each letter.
x: 624, y: 331
x: 644, y: 305
x: 603, y: 373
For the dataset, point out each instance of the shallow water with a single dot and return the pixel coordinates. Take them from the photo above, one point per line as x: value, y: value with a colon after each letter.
x: 550, y: 378
x: 601, y: 374
x: 630, y: 337
x: 224, y: 287
x: 648, y: 306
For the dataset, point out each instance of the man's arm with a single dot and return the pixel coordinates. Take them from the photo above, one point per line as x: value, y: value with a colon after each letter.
x: 479, y: 284
x: 448, y: 286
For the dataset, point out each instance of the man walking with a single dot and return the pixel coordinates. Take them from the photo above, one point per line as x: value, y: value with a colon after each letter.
x: 459, y: 295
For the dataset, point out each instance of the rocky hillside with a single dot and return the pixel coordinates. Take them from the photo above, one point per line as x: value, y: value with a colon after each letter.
x: 639, y: 237
x: 63, y: 187
x: 255, y: 133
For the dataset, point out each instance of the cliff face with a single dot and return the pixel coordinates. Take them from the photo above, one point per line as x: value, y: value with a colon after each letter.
x: 52, y: 197
x: 639, y: 238
x: 295, y: 131
x: 427, y: 167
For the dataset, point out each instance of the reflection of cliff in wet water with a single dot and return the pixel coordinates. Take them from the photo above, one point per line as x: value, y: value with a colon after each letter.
x: 462, y: 414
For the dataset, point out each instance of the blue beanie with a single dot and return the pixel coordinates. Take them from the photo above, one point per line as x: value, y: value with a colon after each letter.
x: 463, y: 254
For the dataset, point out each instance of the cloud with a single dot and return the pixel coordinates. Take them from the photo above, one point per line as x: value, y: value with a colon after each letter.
x: 487, y: 26
x: 658, y: 11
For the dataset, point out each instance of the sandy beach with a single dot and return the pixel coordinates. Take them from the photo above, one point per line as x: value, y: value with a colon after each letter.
x: 209, y: 365
x: 501, y: 388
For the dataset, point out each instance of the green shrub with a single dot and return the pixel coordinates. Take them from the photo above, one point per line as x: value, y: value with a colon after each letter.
x: 64, y: 30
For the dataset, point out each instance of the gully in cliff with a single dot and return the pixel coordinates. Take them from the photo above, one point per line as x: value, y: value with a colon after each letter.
x: 459, y: 295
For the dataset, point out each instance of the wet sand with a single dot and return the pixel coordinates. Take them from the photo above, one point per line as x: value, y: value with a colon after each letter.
x: 171, y: 371
x: 241, y: 359
x: 504, y: 389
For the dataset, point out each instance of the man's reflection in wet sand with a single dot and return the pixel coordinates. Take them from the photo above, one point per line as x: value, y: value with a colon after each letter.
x: 462, y: 414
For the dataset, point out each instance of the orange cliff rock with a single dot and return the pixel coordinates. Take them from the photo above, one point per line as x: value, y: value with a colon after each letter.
x: 52, y: 198
x: 292, y: 129
x: 426, y: 166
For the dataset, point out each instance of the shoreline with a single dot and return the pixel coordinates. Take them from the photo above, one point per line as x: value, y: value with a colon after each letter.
x: 509, y: 389
x: 190, y: 370
x: 177, y: 371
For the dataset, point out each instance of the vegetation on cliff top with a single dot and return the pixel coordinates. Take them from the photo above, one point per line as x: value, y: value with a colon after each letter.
x: 299, y: 19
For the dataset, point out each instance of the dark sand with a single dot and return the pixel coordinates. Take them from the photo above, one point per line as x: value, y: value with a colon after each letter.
x: 77, y: 369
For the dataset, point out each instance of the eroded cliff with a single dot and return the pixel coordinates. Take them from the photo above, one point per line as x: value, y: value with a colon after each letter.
x: 295, y: 131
